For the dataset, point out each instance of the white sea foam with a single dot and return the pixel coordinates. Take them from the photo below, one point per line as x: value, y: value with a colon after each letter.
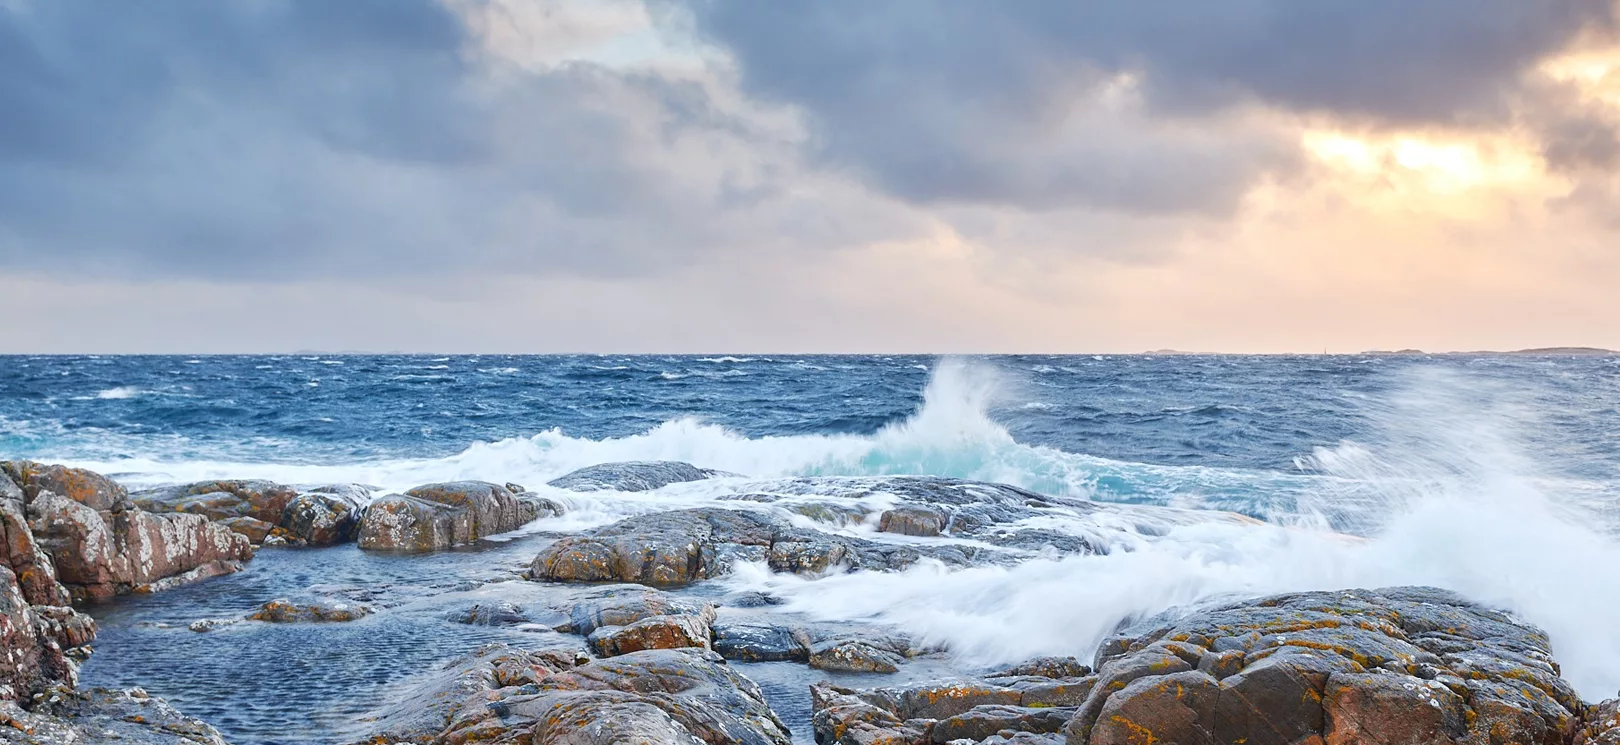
x: 1462, y: 505
x: 119, y: 393
x: 1456, y: 487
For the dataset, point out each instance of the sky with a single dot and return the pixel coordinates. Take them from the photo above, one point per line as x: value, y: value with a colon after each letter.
x: 668, y: 176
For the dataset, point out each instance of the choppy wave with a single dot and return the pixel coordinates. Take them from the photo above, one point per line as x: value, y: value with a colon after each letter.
x: 1456, y: 482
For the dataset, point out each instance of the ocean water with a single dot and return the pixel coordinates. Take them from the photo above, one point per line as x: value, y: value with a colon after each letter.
x: 1496, y: 476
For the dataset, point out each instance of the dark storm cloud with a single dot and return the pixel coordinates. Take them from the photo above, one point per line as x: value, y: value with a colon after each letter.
x: 292, y: 138
x: 967, y: 100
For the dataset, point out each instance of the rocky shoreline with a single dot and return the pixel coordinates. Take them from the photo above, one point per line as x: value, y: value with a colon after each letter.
x: 626, y: 659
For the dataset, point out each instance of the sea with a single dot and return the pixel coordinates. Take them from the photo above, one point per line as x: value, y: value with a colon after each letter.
x: 1497, y: 476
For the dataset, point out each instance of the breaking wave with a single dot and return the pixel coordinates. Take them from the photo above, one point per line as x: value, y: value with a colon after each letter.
x: 1455, y: 484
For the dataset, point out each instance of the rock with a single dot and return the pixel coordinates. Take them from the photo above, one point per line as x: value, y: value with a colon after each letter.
x: 982, y: 722
x: 35, y: 572
x: 632, y: 476
x: 1602, y: 726
x: 1023, y: 704
x: 252, y: 528
x: 43, y: 640
x: 489, y: 614
x: 752, y: 599
x: 221, y: 500
x: 103, y: 716
x: 325, y: 515
x: 830, y: 513
x: 682, y: 546
x: 439, y: 516
x: 760, y: 641
x: 285, y: 611
x: 316, y: 516
x: 101, y: 554
x: 196, y: 574
x: 1048, y: 667
x: 205, y: 625
x: 686, y: 696
x: 625, y: 605
x: 1399, y: 665
x: 914, y: 520
x: 656, y: 632
x: 33, y: 659
x: 854, y: 656
x: 980, y: 510
x: 88, y: 488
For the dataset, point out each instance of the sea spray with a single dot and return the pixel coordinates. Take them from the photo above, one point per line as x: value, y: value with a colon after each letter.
x: 951, y: 434
x: 1452, y: 495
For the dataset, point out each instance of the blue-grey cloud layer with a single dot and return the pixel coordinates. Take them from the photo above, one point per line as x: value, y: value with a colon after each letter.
x: 947, y: 100
x: 295, y: 138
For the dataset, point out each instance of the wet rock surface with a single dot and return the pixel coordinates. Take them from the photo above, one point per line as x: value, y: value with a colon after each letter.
x: 104, y: 716
x: 854, y: 656
x: 220, y: 500
x: 490, y: 614
x: 286, y: 611
x: 503, y: 694
x: 44, y: 640
x: 99, y: 544
x: 761, y: 641
x: 1363, y: 666
x: 938, y: 712
x: 632, y: 476
x: 682, y: 546
x: 1400, y: 665
x: 266, y: 512
x: 440, y: 516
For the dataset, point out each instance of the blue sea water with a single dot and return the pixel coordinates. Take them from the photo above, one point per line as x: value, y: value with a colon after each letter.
x: 1495, y: 475
x: 1246, y: 433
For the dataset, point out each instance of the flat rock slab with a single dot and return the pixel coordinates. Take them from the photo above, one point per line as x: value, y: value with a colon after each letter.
x: 440, y: 516
x: 104, y: 716
x: 632, y: 476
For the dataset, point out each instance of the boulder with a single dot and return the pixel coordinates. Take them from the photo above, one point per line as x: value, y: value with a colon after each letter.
x: 439, y: 516
x: 88, y: 488
x: 251, y: 528
x: 285, y: 611
x: 760, y: 641
x: 623, y: 605
x: 656, y: 632
x: 632, y: 476
x: 854, y: 656
x: 1399, y: 665
x: 1602, y: 725
x: 489, y: 614
x: 325, y: 515
x: 35, y: 572
x: 101, y: 554
x: 315, y: 516
x: 982, y: 722
x: 221, y: 500
x: 43, y: 640
x: 34, y: 660
x: 685, y: 696
x: 103, y: 716
x: 913, y: 520
x: 681, y: 546
x: 1018, y: 708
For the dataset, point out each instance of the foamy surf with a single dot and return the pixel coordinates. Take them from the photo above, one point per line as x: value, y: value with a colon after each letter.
x: 1454, y: 484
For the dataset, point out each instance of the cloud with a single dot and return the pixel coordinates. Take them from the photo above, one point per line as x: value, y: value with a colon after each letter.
x: 371, y: 140
x: 1123, y: 104
x: 305, y: 138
